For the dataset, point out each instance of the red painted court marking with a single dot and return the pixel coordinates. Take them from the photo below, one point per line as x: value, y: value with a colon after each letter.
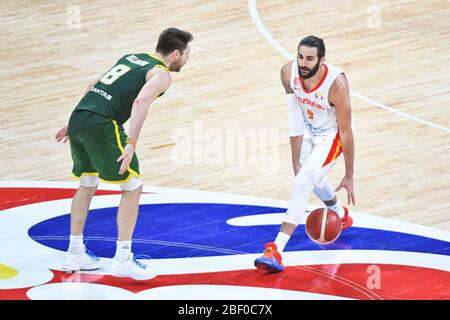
x: 14, y: 197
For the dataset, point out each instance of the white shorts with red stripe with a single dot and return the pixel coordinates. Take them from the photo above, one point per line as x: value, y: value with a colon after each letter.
x: 319, y: 154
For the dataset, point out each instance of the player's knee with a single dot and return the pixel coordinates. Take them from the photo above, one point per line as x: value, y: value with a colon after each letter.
x: 305, y: 179
x: 89, y: 181
x: 303, y: 185
x: 133, y: 184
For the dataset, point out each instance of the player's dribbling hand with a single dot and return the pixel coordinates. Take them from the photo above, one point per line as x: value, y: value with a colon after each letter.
x: 62, y: 135
x: 347, y: 183
x: 126, y: 158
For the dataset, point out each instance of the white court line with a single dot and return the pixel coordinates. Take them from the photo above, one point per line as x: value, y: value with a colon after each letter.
x: 256, y: 19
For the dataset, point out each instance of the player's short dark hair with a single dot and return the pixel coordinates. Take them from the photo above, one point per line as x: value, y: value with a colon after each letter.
x: 315, y: 42
x: 172, y: 39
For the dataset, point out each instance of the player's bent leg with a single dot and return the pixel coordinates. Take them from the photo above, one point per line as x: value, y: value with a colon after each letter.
x: 79, y: 208
x: 303, y: 185
x: 271, y: 260
x: 78, y: 257
x: 128, y: 208
x: 326, y: 192
x: 328, y: 196
x: 125, y: 264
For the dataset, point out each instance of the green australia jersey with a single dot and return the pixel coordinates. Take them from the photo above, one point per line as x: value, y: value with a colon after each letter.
x: 113, y: 95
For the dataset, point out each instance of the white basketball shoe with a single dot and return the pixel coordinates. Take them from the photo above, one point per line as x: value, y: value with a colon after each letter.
x: 131, y: 268
x: 85, y: 261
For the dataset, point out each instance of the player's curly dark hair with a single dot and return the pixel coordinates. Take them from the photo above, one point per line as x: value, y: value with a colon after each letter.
x: 315, y: 42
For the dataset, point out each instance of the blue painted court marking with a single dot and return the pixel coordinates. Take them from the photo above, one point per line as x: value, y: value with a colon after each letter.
x: 181, y: 230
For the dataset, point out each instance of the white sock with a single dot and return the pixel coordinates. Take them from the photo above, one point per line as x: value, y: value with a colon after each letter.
x: 338, y: 208
x: 76, y: 245
x: 281, y: 241
x: 123, y: 250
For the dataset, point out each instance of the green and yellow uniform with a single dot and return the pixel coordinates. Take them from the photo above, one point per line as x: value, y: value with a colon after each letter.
x: 95, y: 128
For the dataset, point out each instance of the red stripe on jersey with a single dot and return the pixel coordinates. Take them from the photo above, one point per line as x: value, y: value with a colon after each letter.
x: 335, y: 150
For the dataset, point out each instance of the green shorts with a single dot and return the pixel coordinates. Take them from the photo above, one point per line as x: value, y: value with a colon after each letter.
x: 95, y: 151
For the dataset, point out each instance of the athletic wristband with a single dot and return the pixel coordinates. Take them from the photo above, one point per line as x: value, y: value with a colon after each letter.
x: 132, y: 141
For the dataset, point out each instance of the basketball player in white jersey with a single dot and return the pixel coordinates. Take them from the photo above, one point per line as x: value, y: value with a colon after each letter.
x: 320, y: 131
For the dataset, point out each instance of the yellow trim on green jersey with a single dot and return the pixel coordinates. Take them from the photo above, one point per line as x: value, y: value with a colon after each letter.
x: 116, y: 128
x: 164, y: 66
x: 133, y: 173
x: 85, y: 174
x: 119, y: 181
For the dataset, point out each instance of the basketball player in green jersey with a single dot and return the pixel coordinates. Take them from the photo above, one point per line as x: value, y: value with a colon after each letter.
x: 102, y: 151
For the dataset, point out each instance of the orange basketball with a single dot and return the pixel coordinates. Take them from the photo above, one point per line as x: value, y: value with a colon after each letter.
x: 323, y: 226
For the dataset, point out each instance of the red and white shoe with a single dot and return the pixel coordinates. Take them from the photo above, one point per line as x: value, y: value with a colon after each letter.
x: 271, y: 259
x: 346, y: 221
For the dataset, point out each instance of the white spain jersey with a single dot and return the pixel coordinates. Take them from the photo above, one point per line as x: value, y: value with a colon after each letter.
x: 319, y: 116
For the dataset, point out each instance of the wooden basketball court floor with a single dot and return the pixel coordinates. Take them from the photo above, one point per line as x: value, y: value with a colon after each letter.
x: 222, y: 126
